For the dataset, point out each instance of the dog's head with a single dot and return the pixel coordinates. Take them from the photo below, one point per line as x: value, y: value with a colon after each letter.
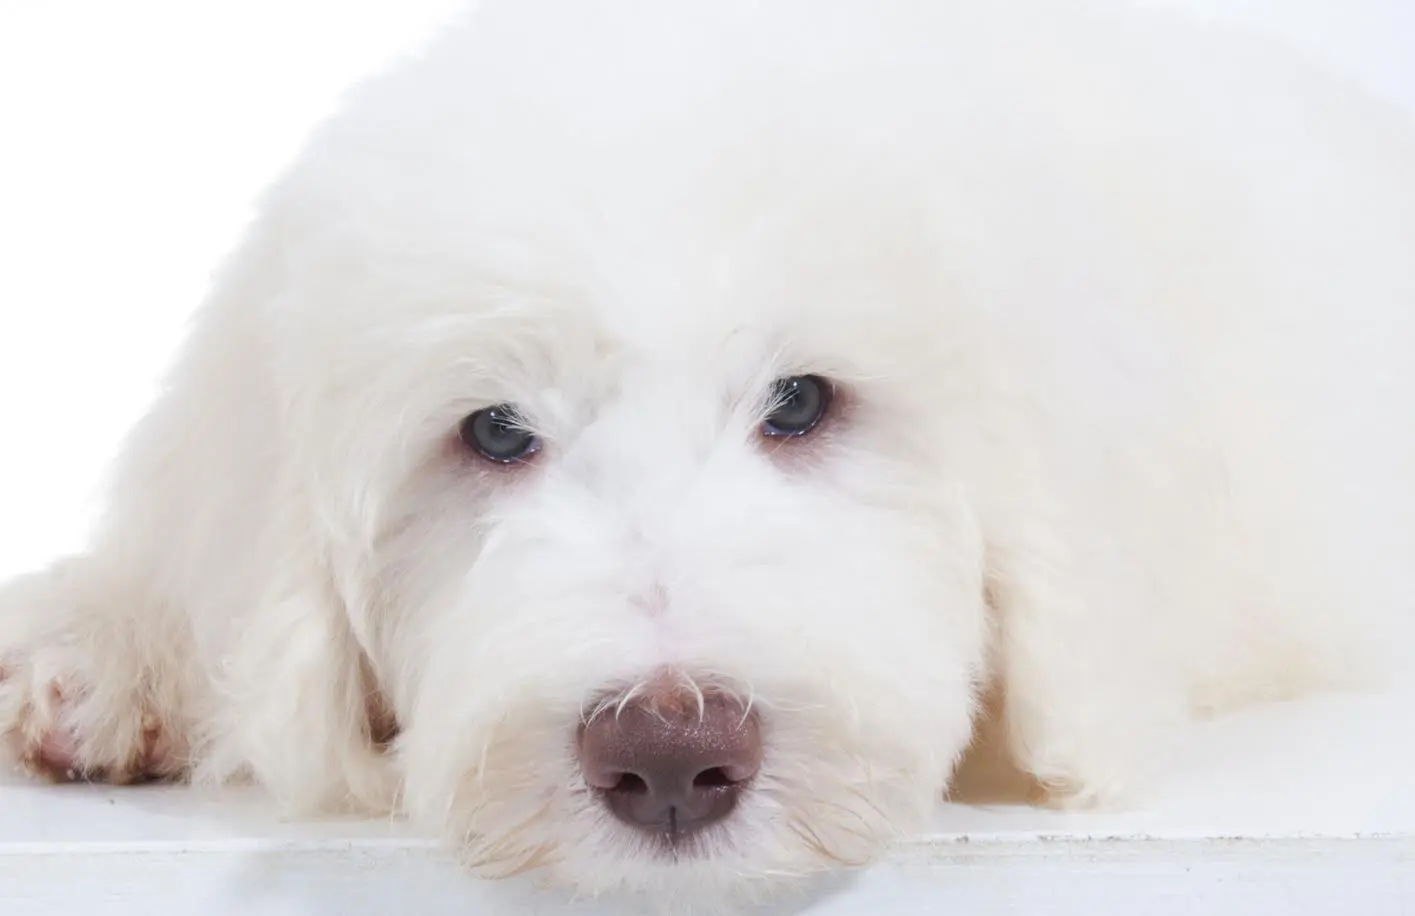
x: 635, y: 418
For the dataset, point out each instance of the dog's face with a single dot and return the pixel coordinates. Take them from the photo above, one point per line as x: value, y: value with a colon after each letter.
x: 645, y: 491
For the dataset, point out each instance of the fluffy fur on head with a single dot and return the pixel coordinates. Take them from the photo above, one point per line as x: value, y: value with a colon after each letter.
x: 1096, y: 292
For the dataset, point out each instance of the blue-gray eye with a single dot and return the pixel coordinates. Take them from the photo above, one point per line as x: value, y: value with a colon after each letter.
x: 798, y: 404
x: 497, y: 434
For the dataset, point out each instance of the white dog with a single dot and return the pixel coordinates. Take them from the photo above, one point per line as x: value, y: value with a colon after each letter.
x: 635, y: 436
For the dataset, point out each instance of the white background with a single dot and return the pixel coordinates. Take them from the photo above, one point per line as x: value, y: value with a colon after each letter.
x: 134, y: 135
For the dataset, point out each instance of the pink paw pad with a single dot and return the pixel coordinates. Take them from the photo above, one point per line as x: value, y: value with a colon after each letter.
x: 56, y: 754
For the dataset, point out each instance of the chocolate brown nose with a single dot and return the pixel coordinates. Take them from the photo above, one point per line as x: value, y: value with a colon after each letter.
x: 671, y: 771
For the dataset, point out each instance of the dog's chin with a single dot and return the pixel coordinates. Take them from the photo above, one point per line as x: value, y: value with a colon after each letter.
x: 732, y: 864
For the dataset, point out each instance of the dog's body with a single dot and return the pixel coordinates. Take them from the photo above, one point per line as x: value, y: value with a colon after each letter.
x: 1097, y: 295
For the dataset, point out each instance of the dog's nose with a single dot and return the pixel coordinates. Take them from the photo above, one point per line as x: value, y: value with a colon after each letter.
x: 672, y: 768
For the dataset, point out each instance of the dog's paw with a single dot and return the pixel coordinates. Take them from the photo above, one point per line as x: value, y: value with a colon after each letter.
x: 1086, y: 769
x: 66, y: 719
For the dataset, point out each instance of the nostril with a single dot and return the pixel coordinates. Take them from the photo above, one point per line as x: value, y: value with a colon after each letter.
x: 714, y: 778
x: 629, y: 784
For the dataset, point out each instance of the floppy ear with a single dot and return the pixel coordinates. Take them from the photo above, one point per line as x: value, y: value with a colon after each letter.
x: 305, y: 721
x: 1087, y: 703
x: 297, y: 710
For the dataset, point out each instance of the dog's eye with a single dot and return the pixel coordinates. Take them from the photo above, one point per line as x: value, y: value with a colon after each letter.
x: 497, y: 434
x: 798, y: 404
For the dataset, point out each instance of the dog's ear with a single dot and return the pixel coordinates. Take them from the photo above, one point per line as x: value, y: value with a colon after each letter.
x: 304, y: 720
x: 294, y: 711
